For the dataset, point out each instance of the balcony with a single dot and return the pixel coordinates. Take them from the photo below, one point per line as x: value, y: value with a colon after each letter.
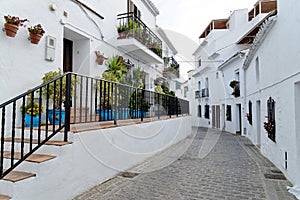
x: 204, y: 92
x: 137, y: 39
x: 197, y: 94
x: 201, y: 93
x: 171, y: 69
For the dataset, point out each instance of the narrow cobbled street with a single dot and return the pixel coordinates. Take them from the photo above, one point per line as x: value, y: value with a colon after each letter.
x: 210, y: 164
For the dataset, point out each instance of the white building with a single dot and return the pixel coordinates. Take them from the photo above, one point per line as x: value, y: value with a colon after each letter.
x: 219, y: 61
x: 258, y: 49
x: 74, y: 31
x: 272, y: 82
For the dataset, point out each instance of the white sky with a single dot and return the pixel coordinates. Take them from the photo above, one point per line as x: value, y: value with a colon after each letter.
x: 190, y: 17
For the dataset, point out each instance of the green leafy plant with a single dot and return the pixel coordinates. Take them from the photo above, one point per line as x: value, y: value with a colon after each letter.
x: 54, y: 90
x: 15, y: 20
x: 31, y: 107
x: 37, y: 29
x: 116, y: 69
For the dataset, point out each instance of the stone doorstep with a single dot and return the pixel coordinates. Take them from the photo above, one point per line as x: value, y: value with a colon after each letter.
x: 4, y: 197
x: 35, y: 141
x: 36, y: 158
x: 15, y: 176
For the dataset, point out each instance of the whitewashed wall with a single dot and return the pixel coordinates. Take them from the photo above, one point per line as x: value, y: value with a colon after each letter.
x: 279, y: 71
x: 22, y: 64
x: 96, y: 156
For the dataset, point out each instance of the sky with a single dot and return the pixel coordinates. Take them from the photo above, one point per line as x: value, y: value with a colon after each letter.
x: 191, y: 17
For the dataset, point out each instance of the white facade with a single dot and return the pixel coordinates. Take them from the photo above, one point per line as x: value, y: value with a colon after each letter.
x: 23, y: 64
x: 272, y: 70
x: 266, y: 68
x: 95, y: 157
x: 219, y: 60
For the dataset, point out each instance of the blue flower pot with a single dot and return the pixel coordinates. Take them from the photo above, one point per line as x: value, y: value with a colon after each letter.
x: 123, y: 113
x: 138, y: 114
x: 35, y: 122
x: 57, y: 115
x: 105, y: 115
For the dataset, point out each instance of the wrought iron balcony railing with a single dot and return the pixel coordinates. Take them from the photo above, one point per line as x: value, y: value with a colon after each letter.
x: 130, y: 26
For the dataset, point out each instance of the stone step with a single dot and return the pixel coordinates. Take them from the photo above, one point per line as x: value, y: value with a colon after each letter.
x: 4, y: 197
x: 15, y: 176
x: 36, y: 158
x: 35, y: 141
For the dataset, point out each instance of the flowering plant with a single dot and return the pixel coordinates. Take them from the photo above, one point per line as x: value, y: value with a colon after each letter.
x: 233, y: 83
x: 37, y: 29
x: 269, y: 126
x: 15, y: 20
x: 33, y: 109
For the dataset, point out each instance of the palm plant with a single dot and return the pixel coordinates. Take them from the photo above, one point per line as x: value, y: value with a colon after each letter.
x: 115, y: 70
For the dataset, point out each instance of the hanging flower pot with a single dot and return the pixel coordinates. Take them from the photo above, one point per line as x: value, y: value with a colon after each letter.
x: 100, y: 57
x: 35, y: 33
x: 11, y: 30
x: 35, y: 38
x: 12, y: 24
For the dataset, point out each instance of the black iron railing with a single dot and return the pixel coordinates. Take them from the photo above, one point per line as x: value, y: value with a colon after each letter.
x: 34, y: 117
x: 21, y: 121
x: 130, y: 26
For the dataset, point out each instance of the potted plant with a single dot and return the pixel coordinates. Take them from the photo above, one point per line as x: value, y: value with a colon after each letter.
x: 36, y: 32
x: 122, y: 30
x: 32, y: 111
x: 236, y: 88
x: 12, y: 24
x: 58, y: 97
x: 100, y: 57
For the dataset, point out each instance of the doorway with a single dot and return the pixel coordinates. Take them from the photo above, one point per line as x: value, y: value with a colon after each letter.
x: 238, y: 119
x: 213, y: 115
x: 216, y: 116
x: 258, y: 123
x: 68, y: 55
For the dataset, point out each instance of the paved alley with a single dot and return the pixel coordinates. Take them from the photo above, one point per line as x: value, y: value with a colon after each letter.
x: 208, y: 165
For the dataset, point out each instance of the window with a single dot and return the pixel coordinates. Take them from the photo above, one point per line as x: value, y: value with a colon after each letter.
x: 186, y: 89
x: 133, y: 8
x: 257, y: 71
x: 199, y: 63
x: 206, y: 114
x: 249, y: 115
x: 178, y: 85
x: 228, y: 113
x: 199, y: 111
x: 270, y: 125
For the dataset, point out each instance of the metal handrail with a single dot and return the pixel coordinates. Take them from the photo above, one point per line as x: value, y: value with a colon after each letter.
x: 140, y: 31
x: 86, y: 100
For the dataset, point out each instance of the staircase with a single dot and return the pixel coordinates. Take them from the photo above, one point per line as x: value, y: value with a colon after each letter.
x: 33, y: 164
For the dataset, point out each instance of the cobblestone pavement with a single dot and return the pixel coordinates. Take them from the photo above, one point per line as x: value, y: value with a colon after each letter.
x: 232, y: 169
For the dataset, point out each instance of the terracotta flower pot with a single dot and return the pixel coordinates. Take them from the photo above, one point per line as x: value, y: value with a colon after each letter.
x: 35, y: 38
x: 100, y: 60
x: 11, y: 29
